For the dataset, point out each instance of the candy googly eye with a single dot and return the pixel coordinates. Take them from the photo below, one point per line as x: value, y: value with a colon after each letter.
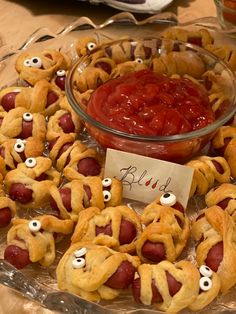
x: 80, y: 252
x: 30, y: 162
x: 139, y: 60
x: 78, y: 262
x: 205, y: 283
x: 168, y: 199
x: 27, y: 116
x: 106, y: 196
x: 106, y: 182
x: 91, y: 46
x: 61, y: 73
x: 19, y: 147
x: 36, y: 62
x: 34, y: 225
x: 27, y: 63
x: 205, y: 271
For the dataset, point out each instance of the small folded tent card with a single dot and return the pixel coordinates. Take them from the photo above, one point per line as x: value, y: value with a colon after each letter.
x: 146, y: 178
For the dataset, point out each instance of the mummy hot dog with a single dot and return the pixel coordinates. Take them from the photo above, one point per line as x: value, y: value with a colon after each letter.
x: 215, y: 232
x: 7, y: 209
x: 30, y: 182
x: 223, y: 196
x: 95, y: 272
x: 31, y: 241
x: 207, y: 171
x: 33, y: 67
x: 18, y: 123
x: 77, y: 195
x: 115, y: 227
x: 167, y: 230
x: 173, y: 287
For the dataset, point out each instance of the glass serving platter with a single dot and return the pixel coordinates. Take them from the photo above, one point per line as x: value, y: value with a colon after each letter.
x: 39, y: 283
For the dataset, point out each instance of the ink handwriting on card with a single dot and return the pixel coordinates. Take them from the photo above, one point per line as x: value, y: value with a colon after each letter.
x: 130, y: 177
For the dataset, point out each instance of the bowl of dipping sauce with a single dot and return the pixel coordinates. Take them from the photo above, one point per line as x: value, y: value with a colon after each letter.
x: 154, y: 97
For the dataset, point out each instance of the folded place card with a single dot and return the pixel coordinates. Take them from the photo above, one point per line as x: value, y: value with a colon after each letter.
x: 146, y: 178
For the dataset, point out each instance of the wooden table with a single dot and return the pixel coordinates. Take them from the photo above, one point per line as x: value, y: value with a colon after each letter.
x: 19, y: 19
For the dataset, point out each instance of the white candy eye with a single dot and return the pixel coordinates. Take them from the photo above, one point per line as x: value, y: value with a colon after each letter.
x: 78, y: 262
x: 27, y: 63
x: 30, y: 162
x: 80, y: 252
x: 91, y: 46
x: 205, y: 283
x: 106, y: 196
x: 106, y: 182
x: 36, y: 62
x: 139, y: 60
x: 205, y: 271
x: 34, y: 225
x: 19, y: 147
x: 168, y: 199
x: 27, y: 116
x: 61, y: 73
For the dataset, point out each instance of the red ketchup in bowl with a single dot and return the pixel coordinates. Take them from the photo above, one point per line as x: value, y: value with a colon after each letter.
x: 147, y: 103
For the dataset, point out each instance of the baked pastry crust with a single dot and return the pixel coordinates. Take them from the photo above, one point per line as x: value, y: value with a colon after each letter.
x: 89, y: 219
x: 89, y: 281
x: 214, y: 227
x: 51, y: 61
x: 224, y: 52
x: 40, y: 244
x: 186, y: 274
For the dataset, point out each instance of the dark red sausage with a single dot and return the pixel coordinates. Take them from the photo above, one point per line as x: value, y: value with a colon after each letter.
x: 66, y: 198
x: 173, y: 285
x: 105, y: 230
x: 66, y: 123
x: 218, y: 167
x: 123, y: 276
x: 136, y: 288
x: 89, y: 166
x: 128, y: 232
x: 60, y: 82
x: 5, y: 217
x: 27, y: 129
x: 215, y: 256
x: 64, y: 149
x: 2, y: 152
x: 8, y: 101
x: 51, y: 98
x: 52, y: 143
x: 155, y: 252
x: 43, y: 176
x: 105, y: 66
x: 224, y: 203
x: 17, y: 256
x: 178, y: 207
x: 18, y: 192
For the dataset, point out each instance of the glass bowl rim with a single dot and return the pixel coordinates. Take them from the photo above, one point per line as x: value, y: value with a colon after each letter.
x: 147, y: 138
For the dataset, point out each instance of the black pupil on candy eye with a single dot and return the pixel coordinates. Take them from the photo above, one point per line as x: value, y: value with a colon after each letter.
x: 30, y: 160
x: 35, y: 60
x: 206, y: 283
x: 166, y: 195
x: 35, y: 224
x: 27, y: 114
x: 19, y: 145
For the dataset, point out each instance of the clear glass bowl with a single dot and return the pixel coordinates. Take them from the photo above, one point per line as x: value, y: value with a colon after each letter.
x: 226, y: 13
x: 176, y: 148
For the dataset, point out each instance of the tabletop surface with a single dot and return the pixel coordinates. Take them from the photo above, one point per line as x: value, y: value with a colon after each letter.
x: 19, y: 19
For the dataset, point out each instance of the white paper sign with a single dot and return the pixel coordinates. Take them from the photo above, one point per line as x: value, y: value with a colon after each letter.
x: 144, y: 178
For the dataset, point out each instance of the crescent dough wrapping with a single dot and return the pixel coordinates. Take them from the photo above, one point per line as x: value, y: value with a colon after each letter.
x: 89, y: 281
x: 93, y: 217
x: 213, y: 227
x: 40, y: 244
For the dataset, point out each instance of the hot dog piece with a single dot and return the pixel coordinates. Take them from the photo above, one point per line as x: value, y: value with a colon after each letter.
x: 66, y: 123
x: 136, y: 286
x: 123, y: 276
x: 17, y: 256
x: 154, y: 252
x: 105, y: 230
x: 8, y: 101
x: 5, y: 217
x: 66, y: 198
x: 51, y: 98
x: 27, y: 127
x: 215, y: 256
x: 60, y: 82
x: 18, y: 192
x: 128, y: 232
x: 89, y: 167
x: 173, y: 285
